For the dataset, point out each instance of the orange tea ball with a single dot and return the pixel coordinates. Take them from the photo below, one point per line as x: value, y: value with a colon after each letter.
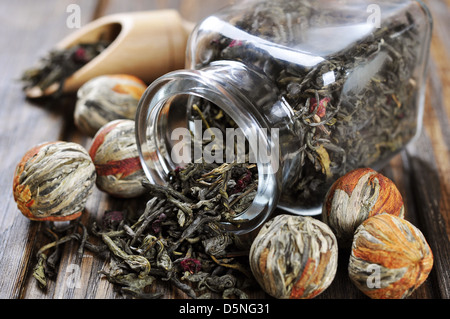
x: 53, y: 181
x: 356, y: 196
x: 107, y: 98
x: 390, y: 257
x: 116, y: 159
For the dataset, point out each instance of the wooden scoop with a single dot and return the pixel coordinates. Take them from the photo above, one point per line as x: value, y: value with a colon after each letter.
x: 145, y: 44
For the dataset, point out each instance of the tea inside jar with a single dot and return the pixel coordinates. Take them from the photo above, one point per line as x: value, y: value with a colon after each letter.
x: 354, y: 87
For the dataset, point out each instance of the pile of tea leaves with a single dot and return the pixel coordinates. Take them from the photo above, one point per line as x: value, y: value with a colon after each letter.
x: 49, y: 76
x: 180, y: 237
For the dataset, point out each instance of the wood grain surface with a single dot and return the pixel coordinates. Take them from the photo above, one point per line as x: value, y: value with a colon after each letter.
x: 29, y: 29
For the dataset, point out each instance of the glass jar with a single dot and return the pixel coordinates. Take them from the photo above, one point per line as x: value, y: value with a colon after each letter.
x: 317, y: 88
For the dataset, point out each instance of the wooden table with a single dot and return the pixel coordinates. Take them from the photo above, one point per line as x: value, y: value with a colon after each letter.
x: 30, y: 28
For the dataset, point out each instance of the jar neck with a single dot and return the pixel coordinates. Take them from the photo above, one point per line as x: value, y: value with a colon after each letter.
x: 247, y: 97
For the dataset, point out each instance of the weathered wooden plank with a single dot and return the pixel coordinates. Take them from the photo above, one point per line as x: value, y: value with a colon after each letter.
x: 90, y: 284
x: 429, y: 205
x: 429, y: 157
x: 29, y: 29
x: 399, y: 171
x: 421, y: 172
x: 431, y: 202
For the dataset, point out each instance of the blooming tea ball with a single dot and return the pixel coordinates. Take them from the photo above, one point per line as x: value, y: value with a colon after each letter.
x: 106, y: 98
x: 53, y: 181
x: 390, y: 257
x: 356, y: 196
x: 116, y: 158
x: 294, y: 257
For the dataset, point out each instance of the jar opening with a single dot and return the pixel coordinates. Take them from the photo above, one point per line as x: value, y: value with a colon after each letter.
x: 183, y: 118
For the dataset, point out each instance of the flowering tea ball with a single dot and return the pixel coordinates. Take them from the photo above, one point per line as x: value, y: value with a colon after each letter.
x: 356, y: 196
x: 106, y: 98
x: 294, y: 257
x: 116, y: 159
x: 390, y: 257
x: 53, y: 181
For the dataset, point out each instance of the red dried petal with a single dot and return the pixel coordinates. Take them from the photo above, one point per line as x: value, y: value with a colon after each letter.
x: 322, y: 109
x: 242, y: 183
x: 235, y: 43
x: 80, y: 55
x: 156, y: 225
x: 112, y: 218
x: 191, y: 264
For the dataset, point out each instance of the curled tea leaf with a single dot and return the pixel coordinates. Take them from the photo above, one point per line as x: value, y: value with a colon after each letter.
x: 134, y: 261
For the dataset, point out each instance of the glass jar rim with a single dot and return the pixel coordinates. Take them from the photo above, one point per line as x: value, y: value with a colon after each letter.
x: 151, y: 117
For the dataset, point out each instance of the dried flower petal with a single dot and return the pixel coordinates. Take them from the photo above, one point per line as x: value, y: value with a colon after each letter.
x: 156, y: 225
x: 112, y: 218
x: 321, y: 109
x: 191, y: 264
x: 80, y: 55
x: 242, y: 183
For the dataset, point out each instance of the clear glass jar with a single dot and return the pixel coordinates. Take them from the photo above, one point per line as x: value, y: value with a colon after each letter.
x: 322, y: 87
